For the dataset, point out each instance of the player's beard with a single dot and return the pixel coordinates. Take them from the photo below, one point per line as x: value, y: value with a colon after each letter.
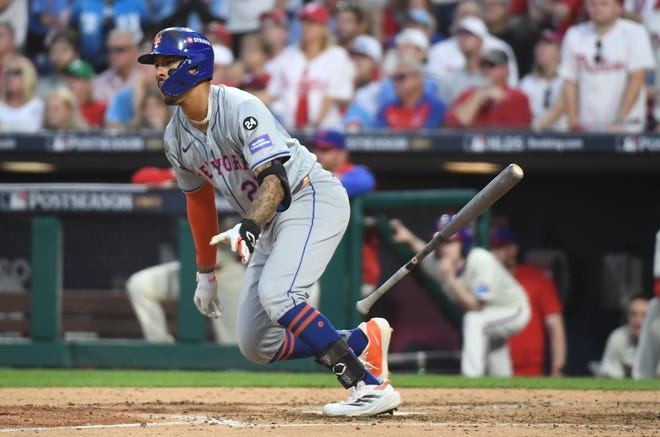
x: 171, y: 100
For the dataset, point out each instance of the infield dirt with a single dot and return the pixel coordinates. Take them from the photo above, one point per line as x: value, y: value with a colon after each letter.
x: 296, y: 412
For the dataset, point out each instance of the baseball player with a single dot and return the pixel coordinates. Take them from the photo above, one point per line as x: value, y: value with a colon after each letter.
x: 495, y: 304
x: 603, y: 65
x: 294, y: 213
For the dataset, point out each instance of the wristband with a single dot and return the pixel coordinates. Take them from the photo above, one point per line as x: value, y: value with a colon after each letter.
x: 249, y: 232
x: 206, y: 278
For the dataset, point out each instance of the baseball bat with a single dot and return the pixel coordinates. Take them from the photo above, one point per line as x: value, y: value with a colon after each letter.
x: 488, y: 195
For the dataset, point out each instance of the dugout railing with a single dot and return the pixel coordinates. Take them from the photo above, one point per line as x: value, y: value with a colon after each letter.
x: 45, y: 346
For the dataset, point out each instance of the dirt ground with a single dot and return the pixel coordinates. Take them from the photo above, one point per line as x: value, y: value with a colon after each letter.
x: 297, y: 412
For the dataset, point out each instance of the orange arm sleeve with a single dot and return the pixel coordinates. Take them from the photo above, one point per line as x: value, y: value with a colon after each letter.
x: 203, y: 218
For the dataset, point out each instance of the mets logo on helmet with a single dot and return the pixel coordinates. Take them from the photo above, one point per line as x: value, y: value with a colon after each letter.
x: 158, y: 39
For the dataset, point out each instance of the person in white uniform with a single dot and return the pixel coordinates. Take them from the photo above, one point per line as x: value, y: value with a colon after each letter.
x: 495, y: 304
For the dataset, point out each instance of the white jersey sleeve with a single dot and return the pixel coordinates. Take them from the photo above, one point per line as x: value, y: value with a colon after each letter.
x: 640, y: 55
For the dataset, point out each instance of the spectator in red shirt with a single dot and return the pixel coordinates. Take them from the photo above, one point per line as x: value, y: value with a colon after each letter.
x: 528, y: 346
x: 79, y: 77
x: 494, y: 105
x: 329, y: 146
x: 414, y: 107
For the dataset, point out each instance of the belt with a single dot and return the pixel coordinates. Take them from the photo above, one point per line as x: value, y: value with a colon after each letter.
x: 301, y: 185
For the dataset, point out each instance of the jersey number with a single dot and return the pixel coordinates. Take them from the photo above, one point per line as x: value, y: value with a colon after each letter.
x: 249, y: 188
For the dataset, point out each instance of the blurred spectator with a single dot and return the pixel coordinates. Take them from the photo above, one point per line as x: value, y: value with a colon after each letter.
x: 621, y: 343
x: 446, y: 56
x: 217, y: 33
x: 7, y: 44
x: 527, y: 347
x: 414, y: 108
x: 255, y: 52
x: 275, y: 30
x: 494, y: 105
x: 495, y: 305
x: 646, y: 362
x: 95, y: 20
x: 61, y: 111
x: 424, y: 20
x: 47, y: 18
x: 223, y: 58
x: 604, y: 63
x: 366, y: 54
x: 329, y: 146
x: 20, y: 108
x: 514, y: 31
x: 410, y: 44
x: 189, y: 13
x: 351, y: 21
x: 121, y: 110
x: 16, y: 13
x: 314, y: 80
x: 543, y: 85
x: 471, y: 33
x: 62, y: 50
x: 151, y: 111
x: 556, y: 14
x: 242, y: 17
x: 80, y: 75
x: 124, y: 68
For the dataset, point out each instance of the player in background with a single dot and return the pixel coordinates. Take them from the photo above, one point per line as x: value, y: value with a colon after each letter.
x: 495, y: 305
x: 294, y: 214
x: 621, y: 344
x: 604, y: 64
x: 528, y: 346
x: 331, y: 153
x: 646, y: 363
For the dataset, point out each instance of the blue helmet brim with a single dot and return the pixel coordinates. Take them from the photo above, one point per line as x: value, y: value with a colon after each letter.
x: 147, y: 58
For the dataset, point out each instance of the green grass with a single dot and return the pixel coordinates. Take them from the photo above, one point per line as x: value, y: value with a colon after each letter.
x: 159, y: 378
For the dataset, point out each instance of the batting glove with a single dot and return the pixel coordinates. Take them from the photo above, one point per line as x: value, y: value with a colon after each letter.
x: 242, y: 238
x: 206, y: 295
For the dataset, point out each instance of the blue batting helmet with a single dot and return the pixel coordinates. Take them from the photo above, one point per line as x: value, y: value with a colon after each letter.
x: 465, y: 235
x: 196, y: 50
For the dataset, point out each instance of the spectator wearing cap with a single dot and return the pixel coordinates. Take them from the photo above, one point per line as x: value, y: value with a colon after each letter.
x: 410, y: 44
x: 79, y: 77
x: 422, y: 19
x: 350, y: 21
x: 223, y: 58
x: 313, y: 82
x: 62, y: 50
x: 543, y: 85
x: 470, y: 34
x: 413, y: 108
x: 21, y: 110
x: 446, y: 56
x: 511, y: 29
x: 527, y: 348
x: 329, y: 146
x: 366, y: 53
x: 494, y: 105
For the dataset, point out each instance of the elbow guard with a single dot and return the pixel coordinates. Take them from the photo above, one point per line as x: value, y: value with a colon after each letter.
x: 276, y: 168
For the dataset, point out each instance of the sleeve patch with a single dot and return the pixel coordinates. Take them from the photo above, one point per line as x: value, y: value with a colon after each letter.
x: 260, y: 143
x: 481, y: 290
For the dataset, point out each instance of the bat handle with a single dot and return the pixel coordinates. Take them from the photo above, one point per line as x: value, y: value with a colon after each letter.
x: 364, y: 305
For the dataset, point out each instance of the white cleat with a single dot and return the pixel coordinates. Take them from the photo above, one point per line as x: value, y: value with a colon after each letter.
x: 374, y: 356
x: 366, y: 400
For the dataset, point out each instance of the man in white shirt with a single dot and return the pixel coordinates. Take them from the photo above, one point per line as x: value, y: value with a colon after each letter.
x: 604, y: 63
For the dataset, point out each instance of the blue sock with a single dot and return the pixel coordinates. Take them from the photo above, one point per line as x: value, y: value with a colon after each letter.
x: 315, y: 332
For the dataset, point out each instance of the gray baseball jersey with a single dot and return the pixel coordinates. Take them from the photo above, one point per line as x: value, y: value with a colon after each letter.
x: 242, y: 135
x: 293, y: 249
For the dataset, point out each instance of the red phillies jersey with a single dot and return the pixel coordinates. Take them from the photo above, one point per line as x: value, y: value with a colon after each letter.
x: 512, y: 112
x: 528, y: 345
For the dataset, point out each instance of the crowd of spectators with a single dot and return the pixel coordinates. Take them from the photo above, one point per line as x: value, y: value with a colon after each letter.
x: 361, y: 65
